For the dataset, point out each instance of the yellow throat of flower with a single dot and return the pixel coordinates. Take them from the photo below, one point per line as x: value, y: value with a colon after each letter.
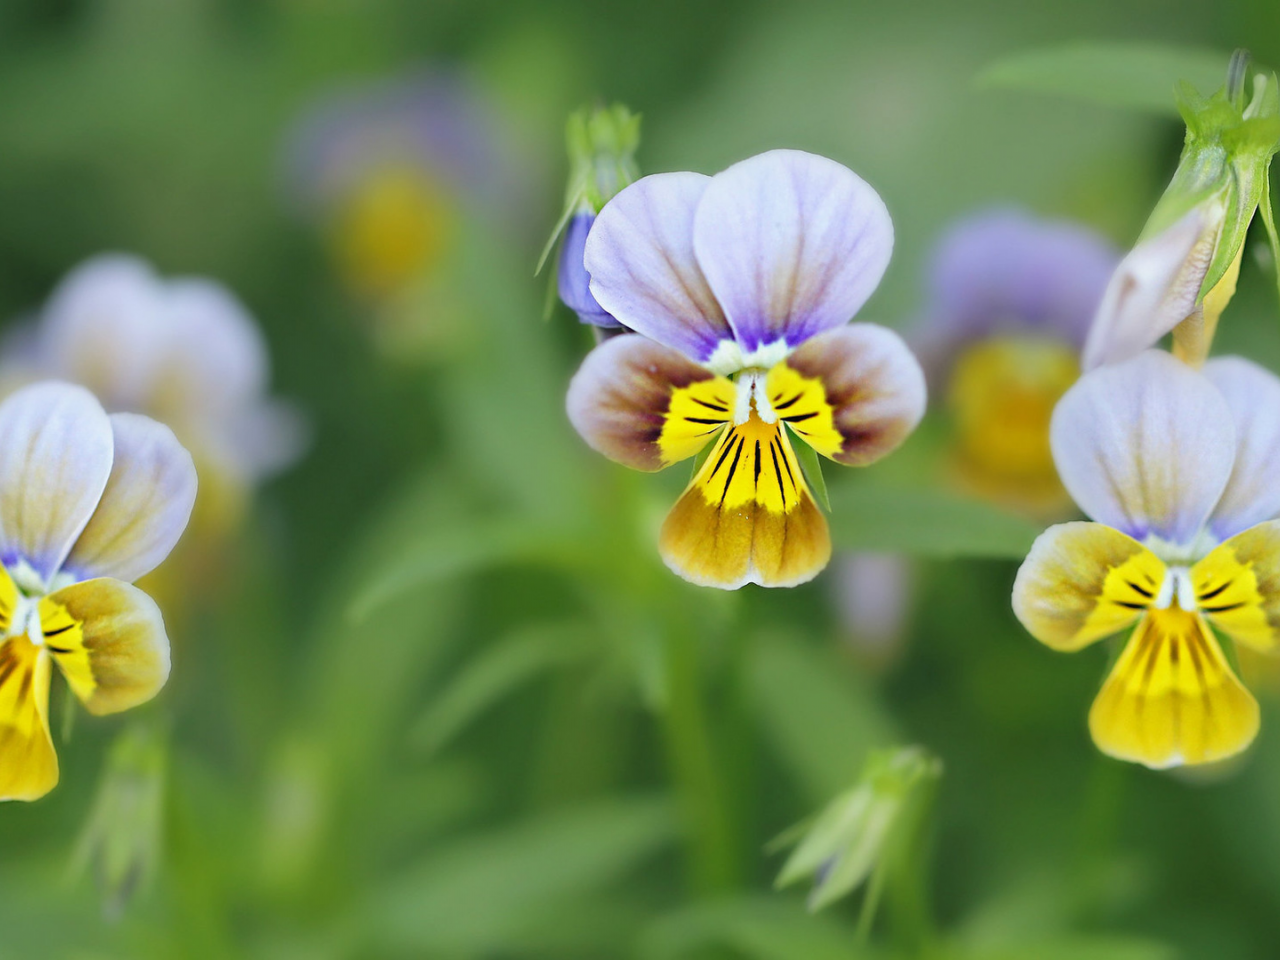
x: 1001, y: 396
x: 391, y: 230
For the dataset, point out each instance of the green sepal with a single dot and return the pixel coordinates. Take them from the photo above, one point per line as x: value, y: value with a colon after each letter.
x: 811, y: 464
x: 700, y: 457
x: 1269, y: 221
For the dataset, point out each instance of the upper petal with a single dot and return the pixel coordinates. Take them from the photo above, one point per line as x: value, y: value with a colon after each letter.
x: 853, y: 394
x: 639, y: 254
x: 1146, y: 446
x: 645, y: 405
x: 57, y: 452
x: 1253, y: 493
x: 104, y: 327
x: 792, y: 244
x: 572, y: 280
x: 145, y: 506
x: 109, y: 639
x: 1082, y: 582
x: 1153, y: 289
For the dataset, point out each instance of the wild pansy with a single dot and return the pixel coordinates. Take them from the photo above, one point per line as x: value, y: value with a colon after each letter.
x: 1177, y: 469
x: 1182, y: 273
x: 88, y: 504
x: 602, y: 146
x: 739, y: 288
x: 388, y: 170
x: 183, y: 351
x: 1011, y: 297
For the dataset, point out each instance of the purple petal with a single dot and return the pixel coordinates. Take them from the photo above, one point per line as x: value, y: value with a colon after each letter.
x: 792, y: 244
x: 1253, y: 493
x: 573, y: 281
x: 1145, y: 446
x: 643, y: 271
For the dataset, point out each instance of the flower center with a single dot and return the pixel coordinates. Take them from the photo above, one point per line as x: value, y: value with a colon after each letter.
x: 751, y: 393
x: 1177, y: 587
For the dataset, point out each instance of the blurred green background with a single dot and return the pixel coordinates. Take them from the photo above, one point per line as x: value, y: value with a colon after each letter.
x: 446, y: 701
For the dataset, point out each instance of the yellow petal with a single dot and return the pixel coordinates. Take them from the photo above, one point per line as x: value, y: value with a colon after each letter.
x: 28, y: 763
x: 1082, y: 582
x: 1172, y: 698
x: 1238, y: 586
x: 109, y: 640
x: 748, y: 516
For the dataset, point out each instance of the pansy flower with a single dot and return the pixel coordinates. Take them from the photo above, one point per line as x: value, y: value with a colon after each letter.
x: 184, y: 351
x: 88, y: 504
x: 740, y: 287
x: 388, y: 168
x: 1011, y: 297
x: 1177, y: 469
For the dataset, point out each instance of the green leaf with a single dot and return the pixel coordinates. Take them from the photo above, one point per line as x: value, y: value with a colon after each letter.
x: 925, y: 522
x: 818, y: 715
x: 755, y: 927
x: 1135, y: 76
x: 476, y: 895
x: 811, y: 464
x: 1269, y: 221
x: 497, y: 672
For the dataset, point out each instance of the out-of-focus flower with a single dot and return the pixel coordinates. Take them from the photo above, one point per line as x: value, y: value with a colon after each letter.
x: 120, y: 845
x: 1182, y: 272
x: 850, y: 838
x: 1178, y: 469
x: 602, y: 146
x: 739, y: 288
x: 1011, y: 297
x: 183, y: 351
x: 389, y: 171
x: 872, y: 593
x: 88, y: 504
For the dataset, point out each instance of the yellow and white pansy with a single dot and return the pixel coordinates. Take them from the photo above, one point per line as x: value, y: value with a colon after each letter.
x: 88, y: 504
x: 182, y: 350
x: 1176, y: 467
x: 739, y: 288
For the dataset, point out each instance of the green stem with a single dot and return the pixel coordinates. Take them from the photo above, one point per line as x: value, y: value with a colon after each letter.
x: 870, y: 903
x: 714, y: 866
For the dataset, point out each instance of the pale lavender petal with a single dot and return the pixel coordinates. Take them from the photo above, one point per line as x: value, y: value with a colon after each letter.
x: 792, y: 244
x: 1005, y: 272
x: 643, y: 271
x: 144, y: 508
x: 104, y: 327
x: 1253, y: 493
x: 1152, y: 290
x: 1145, y: 446
x: 57, y: 452
x: 573, y: 281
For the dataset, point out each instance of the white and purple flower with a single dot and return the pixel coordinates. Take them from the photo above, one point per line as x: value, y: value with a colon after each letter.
x: 739, y: 288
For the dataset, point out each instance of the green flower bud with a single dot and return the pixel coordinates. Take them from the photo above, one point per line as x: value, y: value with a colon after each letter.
x: 120, y: 845
x: 853, y: 835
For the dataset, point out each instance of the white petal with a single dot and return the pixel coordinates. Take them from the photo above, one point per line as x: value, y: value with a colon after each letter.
x: 639, y: 254
x: 1153, y: 289
x: 1253, y: 493
x: 1145, y: 446
x: 792, y: 244
x: 55, y: 457
x: 145, y: 506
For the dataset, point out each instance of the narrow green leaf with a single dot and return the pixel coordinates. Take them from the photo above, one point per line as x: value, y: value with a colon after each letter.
x: 476, y: 895
x: 1269, y: 221
x: 811, y: 464
x: 496, y: 673
x: 1135, y: 76
x: 925, y: 522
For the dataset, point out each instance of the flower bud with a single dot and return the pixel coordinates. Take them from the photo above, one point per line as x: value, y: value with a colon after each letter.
x: 851, y: 837
x: 121, y: 842
x: 602, y: 145
x: 1182, y: 272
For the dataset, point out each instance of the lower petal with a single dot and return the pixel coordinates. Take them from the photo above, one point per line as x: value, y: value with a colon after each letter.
x: 109, y: 640
x: 748, y: 516
x: 28, y: 763
x: 1172, y: 698
x: 1237, y: 586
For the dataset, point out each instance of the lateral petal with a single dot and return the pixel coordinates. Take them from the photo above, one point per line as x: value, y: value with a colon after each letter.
x: 1082, y: 582
x: 1237, y: 586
